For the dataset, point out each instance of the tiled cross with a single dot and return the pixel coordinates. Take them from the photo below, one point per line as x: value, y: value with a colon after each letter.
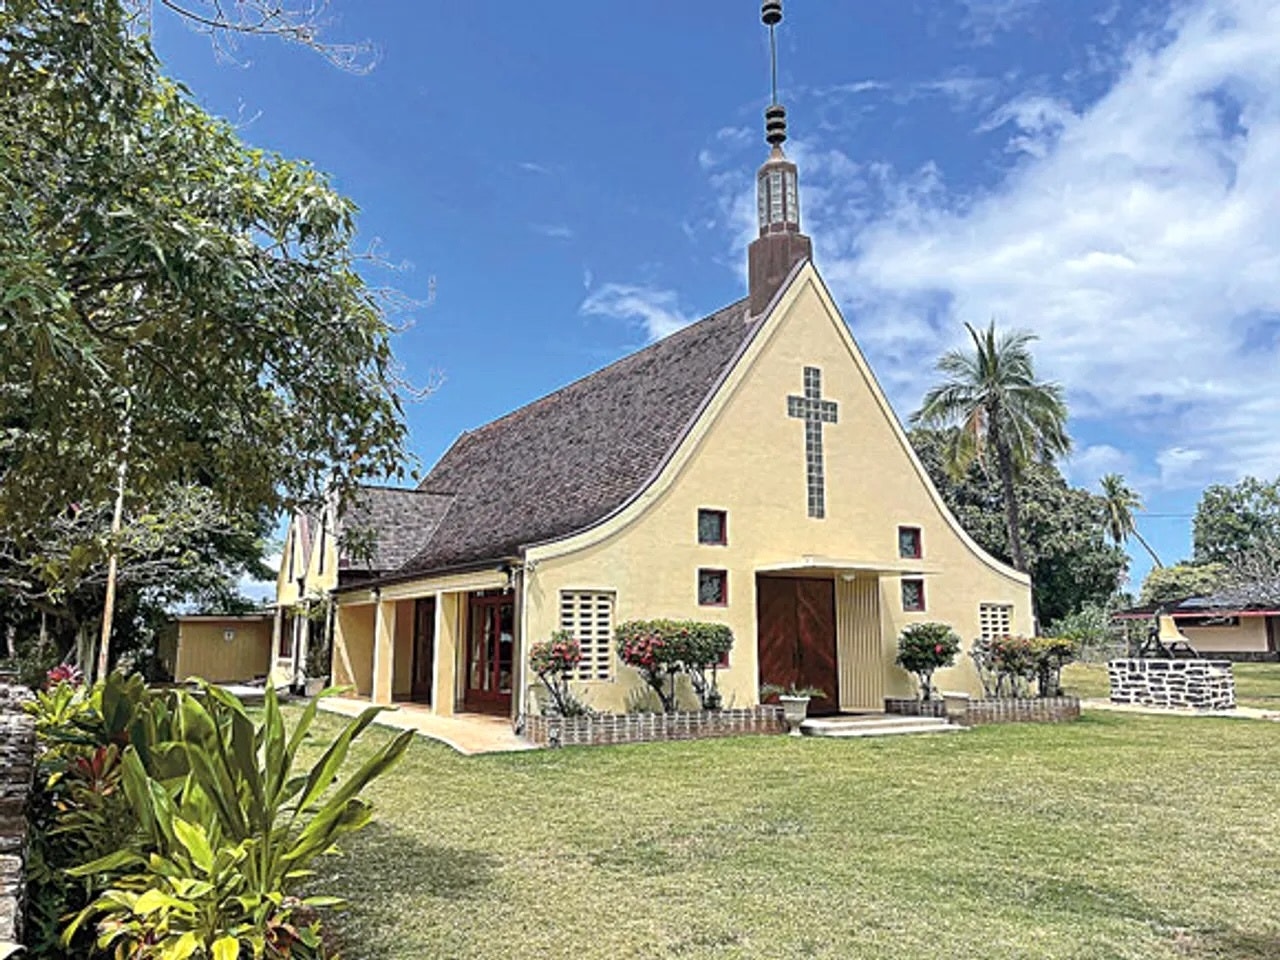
x: 814, y: 411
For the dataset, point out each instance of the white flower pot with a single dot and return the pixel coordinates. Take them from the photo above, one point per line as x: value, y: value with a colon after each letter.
x: 794, y: 711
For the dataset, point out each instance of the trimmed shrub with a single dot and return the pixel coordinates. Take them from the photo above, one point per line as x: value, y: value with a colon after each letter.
x: 661, y: 650
x: 554, y: 661
x: 924, y: 648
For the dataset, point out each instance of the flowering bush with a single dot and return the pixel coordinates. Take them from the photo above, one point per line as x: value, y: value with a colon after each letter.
x: 1008, y: 665
x: 663, y: 649
x: 924, y: 648
x: 63, y: 673
x: 554, y: 661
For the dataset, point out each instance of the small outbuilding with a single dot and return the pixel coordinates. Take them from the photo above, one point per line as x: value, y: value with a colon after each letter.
x: 1214, y: 629
x: 223, y: 648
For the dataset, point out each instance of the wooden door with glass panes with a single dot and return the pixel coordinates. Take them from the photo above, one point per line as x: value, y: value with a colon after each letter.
x: 490, y: 654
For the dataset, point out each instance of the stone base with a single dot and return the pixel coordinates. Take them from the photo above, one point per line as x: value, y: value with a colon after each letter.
x: 1193, y: 684
x: 17, y: 765
x: 646, y: 727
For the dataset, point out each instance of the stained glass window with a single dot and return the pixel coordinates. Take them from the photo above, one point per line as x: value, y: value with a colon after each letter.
x: 712, y: 527
x: 713, y: 588
x: 913, y: 595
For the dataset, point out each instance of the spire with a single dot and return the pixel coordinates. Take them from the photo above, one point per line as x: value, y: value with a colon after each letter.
x: 780, y: 245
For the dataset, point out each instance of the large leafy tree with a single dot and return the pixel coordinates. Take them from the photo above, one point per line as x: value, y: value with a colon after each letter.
x: 1165, y: 585
x: 1232, y: 521
x: 1062, y: 528
x: 1004, y: 418
x: 1121, y: 502
x: 177, y: 309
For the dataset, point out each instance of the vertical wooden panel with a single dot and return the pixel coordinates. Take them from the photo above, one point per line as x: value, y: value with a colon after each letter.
x: 860, y: 647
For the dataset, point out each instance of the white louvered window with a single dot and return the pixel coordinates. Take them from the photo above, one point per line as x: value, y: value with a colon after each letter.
x: 995, y: 620
x: 588, y: 616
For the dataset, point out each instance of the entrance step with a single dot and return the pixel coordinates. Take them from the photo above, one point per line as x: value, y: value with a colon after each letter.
x: 875, y: 725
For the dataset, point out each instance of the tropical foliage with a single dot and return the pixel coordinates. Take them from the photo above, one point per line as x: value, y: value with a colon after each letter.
x: 1070, y: 560
x: 1231, y: 521
x: 1004, y: 418
x: 924, y: 648
x: 181, y: 311
x: 1120, y: 503
x: 1165, y: 585
x: 172, y: 824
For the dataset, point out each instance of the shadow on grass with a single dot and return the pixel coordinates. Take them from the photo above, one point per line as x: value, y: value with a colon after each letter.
x: 1235, y: 944
x: 382, y: 863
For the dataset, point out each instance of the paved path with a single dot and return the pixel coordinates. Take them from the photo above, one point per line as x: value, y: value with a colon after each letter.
x: 468, y: 733
x: 1239, y: 713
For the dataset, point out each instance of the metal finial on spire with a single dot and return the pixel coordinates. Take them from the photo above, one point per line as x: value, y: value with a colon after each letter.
x: 775, y: 115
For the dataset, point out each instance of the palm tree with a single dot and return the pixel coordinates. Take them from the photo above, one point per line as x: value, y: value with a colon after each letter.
x: 1000, y: 411
x: 1120, y: 503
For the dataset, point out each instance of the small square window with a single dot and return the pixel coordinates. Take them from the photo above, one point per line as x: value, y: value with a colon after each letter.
x: 909, y: 545
x: 713, y: 527
x: 913, y: 595
x: 713, y: 588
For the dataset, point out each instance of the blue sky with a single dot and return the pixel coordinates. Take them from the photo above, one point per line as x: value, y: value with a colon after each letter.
x: 566, y: 182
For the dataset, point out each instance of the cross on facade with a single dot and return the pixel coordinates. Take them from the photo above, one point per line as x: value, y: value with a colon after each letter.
x: 814, y: 411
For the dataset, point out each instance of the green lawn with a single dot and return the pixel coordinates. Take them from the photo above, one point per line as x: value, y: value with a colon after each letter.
x: 1117, y: 836
x: 1257, y: 684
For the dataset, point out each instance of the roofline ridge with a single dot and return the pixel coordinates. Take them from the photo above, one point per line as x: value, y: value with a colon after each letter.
x: 757, y: 324
x: 594, y: 373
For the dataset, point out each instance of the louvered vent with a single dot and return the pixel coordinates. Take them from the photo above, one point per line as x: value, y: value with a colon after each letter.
x: 588, y: 616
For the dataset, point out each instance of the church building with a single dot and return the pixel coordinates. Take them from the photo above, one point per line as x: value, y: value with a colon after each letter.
x: 746, y: 470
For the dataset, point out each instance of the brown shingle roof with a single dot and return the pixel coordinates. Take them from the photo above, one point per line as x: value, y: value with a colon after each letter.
x: 392, y: 523
x: 566, y: 461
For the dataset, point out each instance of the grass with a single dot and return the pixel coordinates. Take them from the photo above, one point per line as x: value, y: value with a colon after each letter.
x: 1257, y: 684
x: 1113, y: 837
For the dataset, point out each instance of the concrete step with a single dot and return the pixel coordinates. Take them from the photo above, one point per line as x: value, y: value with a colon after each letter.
x: 875, y: 726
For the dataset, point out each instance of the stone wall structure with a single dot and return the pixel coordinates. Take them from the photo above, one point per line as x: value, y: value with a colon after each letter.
x: 17, y: 764
x: 1197, y: 684
x: 644, y: 727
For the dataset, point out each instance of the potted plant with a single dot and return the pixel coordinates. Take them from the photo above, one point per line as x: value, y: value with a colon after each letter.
x: 794, y: 701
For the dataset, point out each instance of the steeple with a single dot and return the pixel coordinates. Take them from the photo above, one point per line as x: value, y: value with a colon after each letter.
x: 780, y: 245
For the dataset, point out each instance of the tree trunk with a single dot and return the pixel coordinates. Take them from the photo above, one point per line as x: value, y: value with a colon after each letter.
x: 1147, y: 546
x: 113, y: 559
x: 1012, y: 511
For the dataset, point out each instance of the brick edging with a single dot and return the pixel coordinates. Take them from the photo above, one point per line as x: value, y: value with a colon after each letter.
x: 1021, y: 710
x: 609, y: 728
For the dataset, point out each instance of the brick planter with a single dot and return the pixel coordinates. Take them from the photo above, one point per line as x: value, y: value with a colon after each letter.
x: 1020, y: 710
x: 912, y: 707
x: 1195, y: 684
x: 646, y: 727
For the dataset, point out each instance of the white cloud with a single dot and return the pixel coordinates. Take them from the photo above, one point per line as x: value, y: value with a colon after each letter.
x: 556, y: 231
x: 987, y: 18
x: 1091, y: 462
x: 657, y: 311
x: 1139, y: 237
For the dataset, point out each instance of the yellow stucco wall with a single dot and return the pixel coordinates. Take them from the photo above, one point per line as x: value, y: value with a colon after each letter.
x: 1249, y: 637
x: 317, y: 567
x: 353, y: 648
x: 746, y: 456
x: 203, y: 650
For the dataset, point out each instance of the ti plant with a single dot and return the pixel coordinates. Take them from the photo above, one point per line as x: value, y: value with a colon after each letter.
x: 228, y: 830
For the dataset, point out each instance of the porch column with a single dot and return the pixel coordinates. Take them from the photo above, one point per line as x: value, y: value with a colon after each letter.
x: 444, y: 670
x: 384, y: 650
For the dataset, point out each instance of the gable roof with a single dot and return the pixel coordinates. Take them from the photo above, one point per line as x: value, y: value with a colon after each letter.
x: 396, y: 521
x: 568, y: 460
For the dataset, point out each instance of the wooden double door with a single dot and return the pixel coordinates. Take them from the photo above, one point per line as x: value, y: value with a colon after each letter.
x: 796, y: 627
